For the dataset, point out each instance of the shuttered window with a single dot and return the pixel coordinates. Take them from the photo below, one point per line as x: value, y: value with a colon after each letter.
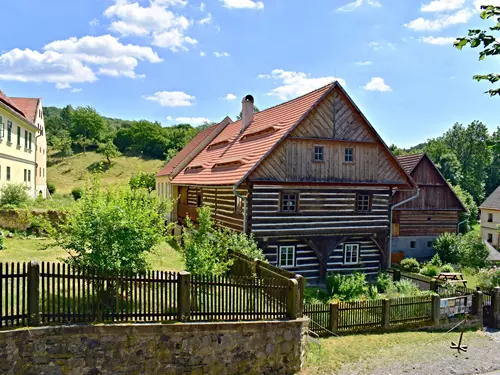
x: 288, y: 202
x: 287, y: 256
x: 351, y: 253
x: 363, y: 202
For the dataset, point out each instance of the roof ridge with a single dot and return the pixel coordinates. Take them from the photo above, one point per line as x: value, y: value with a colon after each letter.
x: 410, y: 155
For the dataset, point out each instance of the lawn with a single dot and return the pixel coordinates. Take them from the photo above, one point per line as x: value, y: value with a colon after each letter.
x: 20, y: 249
x: 70, y: 172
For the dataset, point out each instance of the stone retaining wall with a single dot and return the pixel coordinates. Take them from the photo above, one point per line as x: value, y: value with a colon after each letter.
x: 185, y: 348
x: 17, y: 219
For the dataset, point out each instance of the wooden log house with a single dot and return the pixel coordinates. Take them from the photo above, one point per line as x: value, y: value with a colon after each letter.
x: 310, y: 178
x: 417, y: 223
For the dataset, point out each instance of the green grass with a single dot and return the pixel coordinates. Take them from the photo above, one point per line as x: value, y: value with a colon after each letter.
x: 476, y: 228
x: 70, y: 172
x: 20, y: 249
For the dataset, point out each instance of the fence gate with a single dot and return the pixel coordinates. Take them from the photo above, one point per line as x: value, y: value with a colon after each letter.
x: 487, y: 310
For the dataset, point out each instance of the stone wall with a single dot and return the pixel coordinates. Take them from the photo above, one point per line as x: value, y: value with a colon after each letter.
x: 186, y: 348
x: 18, y: 219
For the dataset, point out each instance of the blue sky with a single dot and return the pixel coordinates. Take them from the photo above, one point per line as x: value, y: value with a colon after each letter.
x: 191, y: 60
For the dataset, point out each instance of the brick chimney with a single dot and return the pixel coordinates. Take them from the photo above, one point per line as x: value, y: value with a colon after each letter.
x: 246, y: 112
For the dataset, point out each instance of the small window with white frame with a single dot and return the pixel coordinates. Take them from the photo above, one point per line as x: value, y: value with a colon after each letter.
x: 348, y: 155
x: 318, y: 153
x: 287, y: 256
x: 351, y: 253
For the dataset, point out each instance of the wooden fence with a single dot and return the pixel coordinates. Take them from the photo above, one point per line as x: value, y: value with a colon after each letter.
x: 33, y: 294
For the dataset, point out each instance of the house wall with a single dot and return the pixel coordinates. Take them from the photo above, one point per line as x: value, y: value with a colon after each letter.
x: 169, y: 192
x: 15, y: 156
x: 41, y: 153
x: 490, y: 227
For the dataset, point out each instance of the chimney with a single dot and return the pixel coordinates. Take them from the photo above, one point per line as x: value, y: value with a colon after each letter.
x: 246, y: 112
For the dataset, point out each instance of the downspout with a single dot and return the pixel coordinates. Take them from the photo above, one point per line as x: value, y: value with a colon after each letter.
x: 245, y: 201
x: 390, y: 223
x: 463, y: 221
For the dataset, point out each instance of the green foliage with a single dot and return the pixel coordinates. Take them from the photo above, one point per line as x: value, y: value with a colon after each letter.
x: 472, y: 210
x: 255, y: 110
x: 447, y: 268
x: 62, y: 142
x: 2, y: 245
x: 430, y: 270
x: 473, y: 251
x: 88, y: 125
x: 436, y: 261
x: 403, y: 288
x: 13, y: 195
x: 489, y: 43
x: 77, y: 193
x: 143, y: 180
x: 109, y: 150
x: 489, y: 279
x: 51, y: 188
x: 315, y: 295
x: 410, y: 265
x: 347, y: 287
x: 205, y: 248
x: 384, y: 280
x: 112, y: 230
x: 447, y: 247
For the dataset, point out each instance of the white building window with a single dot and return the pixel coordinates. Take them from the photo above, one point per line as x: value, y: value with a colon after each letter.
x: 351, y: 253
x: 287, y: 256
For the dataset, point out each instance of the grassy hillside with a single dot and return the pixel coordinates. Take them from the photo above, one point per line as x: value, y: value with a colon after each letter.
x: 69, y: 172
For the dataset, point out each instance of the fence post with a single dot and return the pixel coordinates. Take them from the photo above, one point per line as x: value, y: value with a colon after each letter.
x: 300, y: 298
x: 183, y: 298
x: 495, y: 305
x: 386, y: 313
x: 434, y: 286
x: 396, y: 276
x: 258, y: 271
x: 292, y: 303
x: 33, y: 293
x: 334, y: 317
x: 436, y: 304
x: 478, y: 306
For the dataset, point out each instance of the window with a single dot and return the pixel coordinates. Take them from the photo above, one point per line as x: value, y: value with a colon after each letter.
x: 429, y: 244
x: 288, y: 202
x: 318, y: 153
x: 238, y: 205
x: 29, y: 142
x: 9, y: 131
x: 351, y: 253
x: 25, y: 175
x: 43, y: 169
x: 199, y: 199
x: 18, y: 136
x: 348, y: 155
x: 29, y: 175
x: 490, y: 237
x: 287, y: 256
x: 2, y: 129
x: 413, y: 244
x: 8, y: 173
x: 490, y: 218
x: 363, y: 202
x: 26, y: 139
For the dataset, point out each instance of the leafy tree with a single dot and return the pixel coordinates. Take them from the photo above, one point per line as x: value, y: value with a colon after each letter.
x: 493, y: 170
x: 109, y: 150
x: 473, y: 251
x: 62, y: 142
x: 472, y: 210
x: 445, y: 159
x: 83, y: 142
x: 447, y: 248
x: 13, y: 195
x: 112, y: 230
x: 143, y: 180
x: 489, y: 43
x: 66, y: 116
x: 396, y: 150
x: 87, y: 124
x: 255, y: 110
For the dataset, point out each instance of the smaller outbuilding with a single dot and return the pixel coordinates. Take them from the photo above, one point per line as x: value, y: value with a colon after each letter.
x: 490, y: 219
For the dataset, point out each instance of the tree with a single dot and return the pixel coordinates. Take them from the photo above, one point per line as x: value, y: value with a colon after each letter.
x: 493, y: 170
x: 490, y: 44
x: 62, y: 142
x: 396, y: 150
x: 109, y: 150
x: 83, y: 142
x: 445, y: 160
x: 143, y: 180
x: 66, y: 116
x: 471, y: 208
x: 255, y: 110
x: 87, y: 124
x: 13, y: 195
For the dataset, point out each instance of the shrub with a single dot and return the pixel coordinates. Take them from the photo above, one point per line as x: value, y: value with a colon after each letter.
x: 488, y: 279
x: 473, y: 251
x: 410, y: 265
x: 143, y: 180
x: 384, y: 280
x: 51, y: 188
x: 1, y: 242
x: 13, y: 195
x: 403, y: 288
x: 77, y: 193
x: 436, y: 261
x: 447, y: 248
x: 347, y: 287
x: 447, y: 268
x: 430, y: 270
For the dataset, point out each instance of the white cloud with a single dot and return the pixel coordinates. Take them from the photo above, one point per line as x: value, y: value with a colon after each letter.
x: 377, y: 84
x: 442, y: 5
x: 169, y: 118
x: 205, y: 21
x: 94, y: 22
x: 221, y: 54
x: 378, y: 46
x: 358, y: 3
x: 243, y: 4
x: 166, y: 28
x: 363, y: 63
x: 171, y: 98
x: 478, y: 3
x: 202, y: 7
x: 191, y: 120
x: 63, y: 85
x: 422, y: 24
x: 294, y: 84
x: 76, y: 90
x: 230, y: 97
x: 202, y: 54
x: 438, y: 40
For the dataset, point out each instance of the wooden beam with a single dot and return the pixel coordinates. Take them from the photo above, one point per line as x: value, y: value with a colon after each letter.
x: 331, y: 140
x: 323, y: 246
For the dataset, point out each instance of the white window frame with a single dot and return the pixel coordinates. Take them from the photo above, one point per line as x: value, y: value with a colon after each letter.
x: 286, y: 249
x: 352, y: 246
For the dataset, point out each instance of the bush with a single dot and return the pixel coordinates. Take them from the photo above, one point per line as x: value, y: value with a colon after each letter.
x: 436, y: 261
x: 410, y: 265
x: 143, y: 180
x: 447, y: 248
x: 473, y: 251
x: 430, y: 270
x: 51, y: 188
x: 13, y: 195
x: 384, y: 280
x: 488, y: 279
x: 347, y: 287
x: 77, y: 193
x: 403, y: 288
x: 447, y: 268
x: 1, y: 242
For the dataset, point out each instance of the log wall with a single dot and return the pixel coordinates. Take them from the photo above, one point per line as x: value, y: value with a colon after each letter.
x: 425, y: 223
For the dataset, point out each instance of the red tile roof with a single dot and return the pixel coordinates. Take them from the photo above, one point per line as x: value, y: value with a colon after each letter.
x: 239, y: 156
x: 10, y: 103
x: 28, y: 106
x: 409, y: 162
x: 207, y: 134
